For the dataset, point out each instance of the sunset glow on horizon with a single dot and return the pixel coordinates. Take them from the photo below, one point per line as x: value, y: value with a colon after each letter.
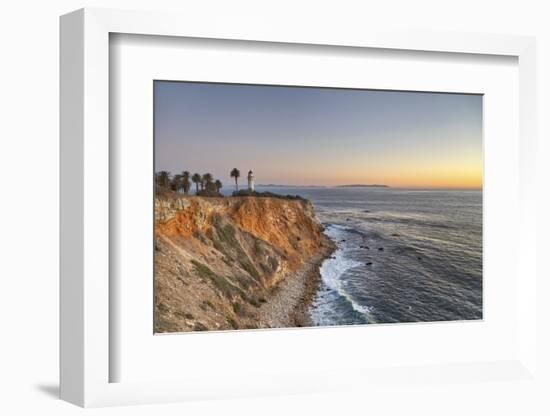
x: 320, y: 136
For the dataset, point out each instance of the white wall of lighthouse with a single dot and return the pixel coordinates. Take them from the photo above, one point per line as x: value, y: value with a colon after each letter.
x: 250, y: 181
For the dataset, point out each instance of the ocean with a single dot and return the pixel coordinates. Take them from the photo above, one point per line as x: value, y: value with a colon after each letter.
x: 404, y: 255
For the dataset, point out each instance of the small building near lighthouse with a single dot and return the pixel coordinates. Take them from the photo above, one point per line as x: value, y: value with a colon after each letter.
x: 250, y: 181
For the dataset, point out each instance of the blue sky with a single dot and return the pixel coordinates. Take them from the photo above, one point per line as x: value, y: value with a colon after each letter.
x: 319, y: 136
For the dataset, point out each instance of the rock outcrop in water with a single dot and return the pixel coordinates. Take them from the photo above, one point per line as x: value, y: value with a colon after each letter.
x: 220, y: 262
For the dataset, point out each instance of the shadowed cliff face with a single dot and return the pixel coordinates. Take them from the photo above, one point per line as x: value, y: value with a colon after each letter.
x: 217, y: 260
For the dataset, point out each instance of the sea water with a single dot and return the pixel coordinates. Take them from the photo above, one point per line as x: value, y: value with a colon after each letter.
x: 404, y: 255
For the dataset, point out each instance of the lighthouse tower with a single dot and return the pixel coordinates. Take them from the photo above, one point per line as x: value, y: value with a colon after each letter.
x: 250, y: 181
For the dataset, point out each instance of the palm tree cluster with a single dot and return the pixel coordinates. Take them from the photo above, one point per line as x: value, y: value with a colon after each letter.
x: 181, y: 183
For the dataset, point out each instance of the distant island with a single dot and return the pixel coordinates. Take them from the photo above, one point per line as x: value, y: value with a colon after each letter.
x: 357, y: 185
x: 274, y: 185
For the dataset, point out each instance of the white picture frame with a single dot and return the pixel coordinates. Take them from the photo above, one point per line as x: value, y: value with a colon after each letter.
x: 86, y: 356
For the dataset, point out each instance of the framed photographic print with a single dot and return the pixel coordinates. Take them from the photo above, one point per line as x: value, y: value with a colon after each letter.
x: 366, y: 206
x: 320, y: 199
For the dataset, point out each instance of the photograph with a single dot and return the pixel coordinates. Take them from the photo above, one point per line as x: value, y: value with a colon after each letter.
x: 282, y: 206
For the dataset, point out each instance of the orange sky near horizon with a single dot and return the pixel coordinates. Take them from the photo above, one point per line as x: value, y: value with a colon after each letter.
x: 440, y: 168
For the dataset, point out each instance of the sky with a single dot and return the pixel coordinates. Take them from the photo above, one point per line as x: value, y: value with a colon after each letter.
x: 319, y: 136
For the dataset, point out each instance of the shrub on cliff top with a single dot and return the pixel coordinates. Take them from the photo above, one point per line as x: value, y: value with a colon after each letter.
x: 210, y: 193
x: 266, y: 195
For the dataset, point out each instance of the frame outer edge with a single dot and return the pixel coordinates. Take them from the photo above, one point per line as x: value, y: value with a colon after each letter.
x: 527, y: 155
x: 72, y: 208
x: 95, y: 208
x: 84, y: 154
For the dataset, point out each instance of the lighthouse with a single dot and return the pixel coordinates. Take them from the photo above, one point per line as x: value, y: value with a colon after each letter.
x: 250, y: 181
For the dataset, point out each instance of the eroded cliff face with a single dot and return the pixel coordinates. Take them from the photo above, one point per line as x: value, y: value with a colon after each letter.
x: 217, y: 260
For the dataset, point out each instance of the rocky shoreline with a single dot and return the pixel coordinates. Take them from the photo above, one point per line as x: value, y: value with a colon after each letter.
x: 288, y: 305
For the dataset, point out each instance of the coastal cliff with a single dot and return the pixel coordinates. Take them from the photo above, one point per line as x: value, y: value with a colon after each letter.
x: 235, y: 262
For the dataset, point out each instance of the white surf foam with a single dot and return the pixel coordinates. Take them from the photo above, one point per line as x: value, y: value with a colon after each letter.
x: 334, y: 268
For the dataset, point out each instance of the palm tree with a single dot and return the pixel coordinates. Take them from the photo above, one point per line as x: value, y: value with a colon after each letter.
x: 196, y: 178
x: 207, y: 181
x: 218, y: 184
x: 185, y: 182
x: 163, y: 179
x: 235, y: 173
x: 207, y: 178
x: 177, y: 182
